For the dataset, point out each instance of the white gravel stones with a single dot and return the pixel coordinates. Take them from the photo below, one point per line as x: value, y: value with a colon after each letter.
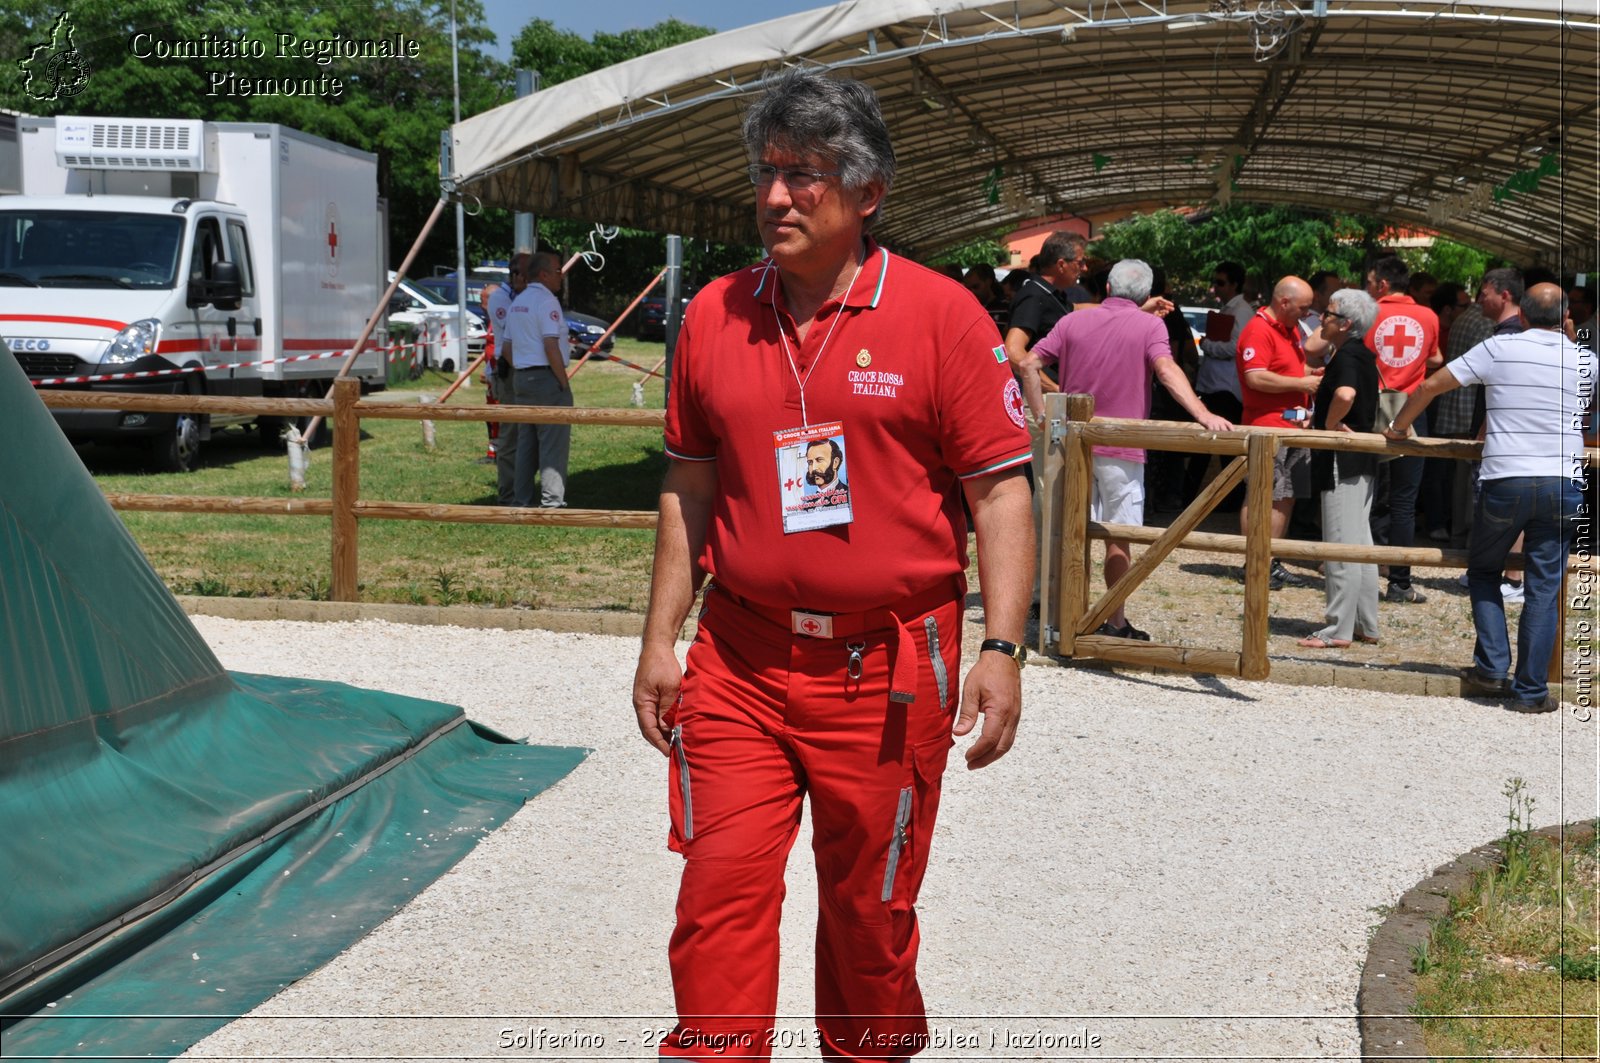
x: 1169, y: 865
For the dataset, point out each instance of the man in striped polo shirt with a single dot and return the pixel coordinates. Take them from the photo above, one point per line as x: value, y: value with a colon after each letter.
x: 1537, y: 385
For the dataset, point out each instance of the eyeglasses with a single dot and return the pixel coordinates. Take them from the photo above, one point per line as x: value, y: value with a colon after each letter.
x: 1329, y: 313
x: 795, y: 180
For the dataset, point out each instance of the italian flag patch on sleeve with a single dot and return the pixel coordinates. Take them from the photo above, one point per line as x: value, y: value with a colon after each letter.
x: 1000, y: 354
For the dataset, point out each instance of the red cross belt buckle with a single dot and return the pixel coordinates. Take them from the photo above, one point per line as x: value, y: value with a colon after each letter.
x: 812, y: 625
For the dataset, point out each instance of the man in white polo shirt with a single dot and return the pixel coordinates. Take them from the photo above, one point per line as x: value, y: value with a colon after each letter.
x: 1537, y: 385
x: 537, y: 335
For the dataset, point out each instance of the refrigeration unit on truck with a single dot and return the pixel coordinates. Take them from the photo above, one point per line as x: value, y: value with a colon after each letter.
x: 157, y: 244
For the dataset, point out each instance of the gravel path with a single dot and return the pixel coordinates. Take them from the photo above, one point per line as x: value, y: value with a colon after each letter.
x: 1174, y: 866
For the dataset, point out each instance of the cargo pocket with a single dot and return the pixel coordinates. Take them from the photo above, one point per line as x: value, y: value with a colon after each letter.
x: 915, y: 813
x: 680, y: 795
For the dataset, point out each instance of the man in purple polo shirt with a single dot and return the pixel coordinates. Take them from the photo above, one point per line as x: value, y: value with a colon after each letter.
x: 1112, y: 353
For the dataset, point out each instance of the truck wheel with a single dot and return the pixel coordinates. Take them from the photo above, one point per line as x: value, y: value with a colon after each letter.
x: 178, y: 448
x: 448, y: 365
x: 269, y: 432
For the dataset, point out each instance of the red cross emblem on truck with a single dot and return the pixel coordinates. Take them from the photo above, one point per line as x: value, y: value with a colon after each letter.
x: 333, y: 239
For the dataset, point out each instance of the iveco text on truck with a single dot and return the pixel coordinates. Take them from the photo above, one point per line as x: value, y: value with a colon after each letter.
x: 155, y: 244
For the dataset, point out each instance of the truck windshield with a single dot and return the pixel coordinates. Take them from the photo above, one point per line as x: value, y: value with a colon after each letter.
x: 88, y: 249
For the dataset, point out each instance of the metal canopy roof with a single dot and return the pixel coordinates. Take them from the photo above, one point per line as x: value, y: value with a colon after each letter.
x: 1479, y: 121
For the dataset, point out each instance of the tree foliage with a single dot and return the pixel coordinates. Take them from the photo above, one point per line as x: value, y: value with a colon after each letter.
x: 1451, y: 262
x: 988, y: 250
x: 560, y: 55
x: 1270, y: 242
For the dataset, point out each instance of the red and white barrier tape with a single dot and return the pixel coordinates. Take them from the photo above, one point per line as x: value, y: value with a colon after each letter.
x: 148, y: 373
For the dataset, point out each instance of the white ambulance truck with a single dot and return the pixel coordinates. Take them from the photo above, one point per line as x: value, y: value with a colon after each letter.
x: 156, y: 244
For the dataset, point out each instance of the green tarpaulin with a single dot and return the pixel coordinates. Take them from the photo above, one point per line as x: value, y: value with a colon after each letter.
x: 179, y: 840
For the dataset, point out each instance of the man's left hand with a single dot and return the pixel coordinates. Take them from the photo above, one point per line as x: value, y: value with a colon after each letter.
x: 994, y: 688
x: 1212, y: 423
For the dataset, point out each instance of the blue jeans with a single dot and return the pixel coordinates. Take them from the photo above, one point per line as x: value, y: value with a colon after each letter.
x: 1544, y: 510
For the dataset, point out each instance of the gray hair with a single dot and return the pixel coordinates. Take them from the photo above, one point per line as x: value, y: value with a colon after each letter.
x: 808, y: 113
x: 1544, y: 306
x: 1132, y: 279
x: 1356, y: 307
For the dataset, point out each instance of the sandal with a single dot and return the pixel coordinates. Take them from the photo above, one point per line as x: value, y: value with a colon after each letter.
x: 1312, y: 642
x: 1365, y: 639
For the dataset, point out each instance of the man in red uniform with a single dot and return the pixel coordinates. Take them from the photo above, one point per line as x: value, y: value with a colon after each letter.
x: 1406, y: 338
x: 1273, y: 380
x: 831, y: 634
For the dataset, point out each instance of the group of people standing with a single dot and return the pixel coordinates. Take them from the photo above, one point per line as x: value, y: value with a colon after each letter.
x: 1373, y: 358
x: 531, y: 348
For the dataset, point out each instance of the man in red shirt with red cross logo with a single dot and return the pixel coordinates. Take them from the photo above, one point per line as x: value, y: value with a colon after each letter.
x: 1406, y: 339
x: 1274, y: 382
x: 829, y: 642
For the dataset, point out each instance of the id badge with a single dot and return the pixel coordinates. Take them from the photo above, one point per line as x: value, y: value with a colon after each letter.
x: 813, y: 485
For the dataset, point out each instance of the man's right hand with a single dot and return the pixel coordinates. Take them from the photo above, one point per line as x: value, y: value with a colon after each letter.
x: 656, y: 683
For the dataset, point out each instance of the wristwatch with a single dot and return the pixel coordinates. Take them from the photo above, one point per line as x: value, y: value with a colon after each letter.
x: 1010, y: 649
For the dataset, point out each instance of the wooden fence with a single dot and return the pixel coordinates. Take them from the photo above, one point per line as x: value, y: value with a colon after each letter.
x: 1067, y: 617
x: 345, y: 506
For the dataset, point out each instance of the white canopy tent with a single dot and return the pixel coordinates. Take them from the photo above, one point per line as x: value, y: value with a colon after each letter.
x: 1479, y: 121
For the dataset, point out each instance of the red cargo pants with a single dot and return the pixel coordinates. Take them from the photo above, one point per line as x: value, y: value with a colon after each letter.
x: 767, y: 717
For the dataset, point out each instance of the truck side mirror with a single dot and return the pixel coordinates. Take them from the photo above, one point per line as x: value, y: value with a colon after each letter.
x: 399, y: 303
x: 227, y: 293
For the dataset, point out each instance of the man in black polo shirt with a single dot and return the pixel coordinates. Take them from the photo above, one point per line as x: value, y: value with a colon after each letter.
x: 1041, y: 302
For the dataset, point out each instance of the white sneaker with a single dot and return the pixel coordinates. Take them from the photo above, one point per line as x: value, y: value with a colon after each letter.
x: 1511, y: 593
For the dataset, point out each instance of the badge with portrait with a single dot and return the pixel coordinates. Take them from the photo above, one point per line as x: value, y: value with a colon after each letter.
x: 813, y: 488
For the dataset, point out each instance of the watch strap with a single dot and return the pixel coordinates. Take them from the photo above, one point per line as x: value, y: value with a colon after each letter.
x: 1010, y: 649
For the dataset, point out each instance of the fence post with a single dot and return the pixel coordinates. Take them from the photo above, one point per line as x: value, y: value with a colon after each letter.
x: 346, y: 488
x: 1260, y: 451
x: 1072, y: 562
x: 1049, y: 472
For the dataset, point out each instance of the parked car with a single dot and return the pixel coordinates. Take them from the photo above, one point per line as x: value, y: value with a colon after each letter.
x: 585, y: 329
x: 443, y: 290
x: 1196, y: 317
x: 653, y: 317
x: 432, y: 318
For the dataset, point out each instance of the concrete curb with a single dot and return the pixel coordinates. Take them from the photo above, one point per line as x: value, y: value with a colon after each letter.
x: 1387, y: 995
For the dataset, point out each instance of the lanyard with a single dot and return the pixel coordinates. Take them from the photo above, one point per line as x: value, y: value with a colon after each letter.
x: 783, y: 339
x: 1051, y: 292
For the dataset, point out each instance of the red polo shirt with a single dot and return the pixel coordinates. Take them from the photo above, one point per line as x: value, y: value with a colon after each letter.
x: 1405, y: 335
x: 914, y: 370
x: 1266, y: 343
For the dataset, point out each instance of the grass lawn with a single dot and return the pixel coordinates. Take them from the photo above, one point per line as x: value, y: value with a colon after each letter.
x: 1521, y: 946
x: 411, y: 561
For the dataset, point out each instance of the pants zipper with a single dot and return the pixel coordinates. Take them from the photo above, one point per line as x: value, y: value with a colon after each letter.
x: 902, y: 817
x: 931, y: 625
x: 683, y: 781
